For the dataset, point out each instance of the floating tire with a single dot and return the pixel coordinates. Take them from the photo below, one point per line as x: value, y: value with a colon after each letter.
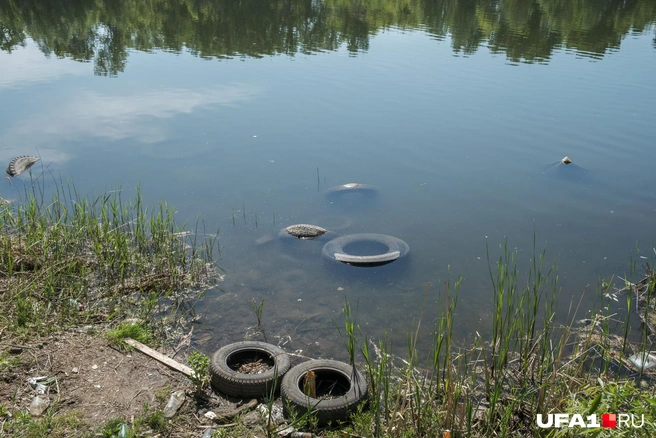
x: 285, y: 236
x: 20, y: 164
x: 304, y: 231
x: 336, y: 249
x: 367, y: 189
x: 339, y: 390
x: 226, y: 361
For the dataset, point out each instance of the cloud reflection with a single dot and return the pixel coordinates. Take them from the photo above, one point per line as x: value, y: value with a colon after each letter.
x: 28, y: 65
x: 94, y: 115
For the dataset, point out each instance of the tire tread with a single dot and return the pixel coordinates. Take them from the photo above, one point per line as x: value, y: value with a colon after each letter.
x: 230, y: 382
x: 336, y: 409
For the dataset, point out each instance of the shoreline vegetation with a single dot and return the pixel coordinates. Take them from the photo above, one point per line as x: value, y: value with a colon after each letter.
x: 74, y: 260
x: 124, y: 270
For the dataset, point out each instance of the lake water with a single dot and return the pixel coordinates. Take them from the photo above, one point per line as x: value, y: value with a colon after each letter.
x: 244, y: 113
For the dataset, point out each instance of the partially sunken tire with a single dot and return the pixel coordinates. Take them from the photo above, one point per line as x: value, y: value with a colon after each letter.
x: 396, y: 248
x: 340, y: 388
x: 304, y: 231
x: 20, y: 164
x: 352, y: 188
x: 225, y: 362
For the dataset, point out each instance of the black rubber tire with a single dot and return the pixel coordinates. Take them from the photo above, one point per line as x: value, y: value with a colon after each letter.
x: 325, y: 409
x: 230, y: 382
x: 396, y: 248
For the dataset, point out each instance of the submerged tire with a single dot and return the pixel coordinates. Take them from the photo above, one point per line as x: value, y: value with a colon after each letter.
x: 335, y: 249
x: 340, y: 388
x: 566, y: 172
x: 226, y: 379
x: 304, y: 231
x: 285, y: 236
x: 366, y: 189
x: 335, y: 222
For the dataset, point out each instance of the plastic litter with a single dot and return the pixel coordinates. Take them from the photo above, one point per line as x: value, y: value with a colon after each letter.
x: 123, y: 431
x: 276, y: 413
x: 38, y: 405
x: 643, y: 361
x: 286, y: 431
x: 40, y: 384
x: 174, y: 403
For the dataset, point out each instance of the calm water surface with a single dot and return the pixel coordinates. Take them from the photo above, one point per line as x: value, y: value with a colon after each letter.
x: 244, y: 114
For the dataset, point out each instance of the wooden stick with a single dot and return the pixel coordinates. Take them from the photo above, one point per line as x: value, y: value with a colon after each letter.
x: 217, y: 426
x: 184, y: 369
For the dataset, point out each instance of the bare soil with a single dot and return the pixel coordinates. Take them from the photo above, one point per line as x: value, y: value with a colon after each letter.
x: 97, y: 383
x: 96, y: 380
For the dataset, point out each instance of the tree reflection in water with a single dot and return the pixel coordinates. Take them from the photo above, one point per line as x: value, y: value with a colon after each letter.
x: 104, y: 31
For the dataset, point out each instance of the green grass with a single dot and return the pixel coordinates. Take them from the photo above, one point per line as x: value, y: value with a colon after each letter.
x: 199, y: 363
x: 525, y: 364
x: 8, y: 361
x: 149, y: 423
x: 21, y: 424
x: 137, y: 331
x: 74, y: 260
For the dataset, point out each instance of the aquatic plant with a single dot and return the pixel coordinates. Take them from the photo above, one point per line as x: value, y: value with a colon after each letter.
x: 496, y: 384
